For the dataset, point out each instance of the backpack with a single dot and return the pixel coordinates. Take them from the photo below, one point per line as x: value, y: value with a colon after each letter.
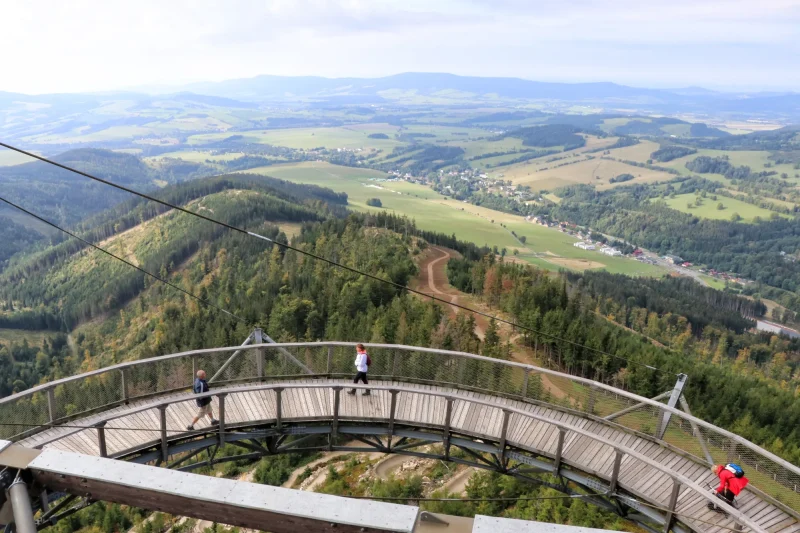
x: 735, y: 469
x: 369, y: 363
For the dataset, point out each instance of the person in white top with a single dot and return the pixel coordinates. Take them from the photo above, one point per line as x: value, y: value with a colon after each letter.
x: 362, y: 366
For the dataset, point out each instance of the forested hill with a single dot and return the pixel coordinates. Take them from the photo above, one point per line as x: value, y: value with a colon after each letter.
x: 68, y: 282
x: 745, y: 382
x: 66, y: 198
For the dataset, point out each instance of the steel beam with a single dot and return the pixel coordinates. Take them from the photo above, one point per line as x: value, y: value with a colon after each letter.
x: 696, y: 430
x: 673, y: 503
x: 220, y: 500
x: 639, y: 405
x: 666, y: 415
x: 230, y: 360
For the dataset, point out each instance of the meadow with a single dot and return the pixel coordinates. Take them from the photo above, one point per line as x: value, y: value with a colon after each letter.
x: 545, y: 247
x: 709, y: 209
x: 351, y: 137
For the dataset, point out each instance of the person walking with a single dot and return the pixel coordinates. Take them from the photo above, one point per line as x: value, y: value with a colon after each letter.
x: 362, y: 366
x: 731, y: 483
x: 203, y: 404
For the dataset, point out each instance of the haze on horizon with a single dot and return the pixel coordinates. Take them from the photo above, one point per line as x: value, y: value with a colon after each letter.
x: 92, y: 45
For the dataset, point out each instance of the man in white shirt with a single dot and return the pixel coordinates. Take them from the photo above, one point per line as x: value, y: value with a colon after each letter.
x: 362, y: 366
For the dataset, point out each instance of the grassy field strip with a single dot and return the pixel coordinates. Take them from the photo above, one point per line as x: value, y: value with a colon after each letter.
x: 709, y: 208
x: 545, y: 247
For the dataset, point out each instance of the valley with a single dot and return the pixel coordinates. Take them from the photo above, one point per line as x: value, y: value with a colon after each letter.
x: 480, y: 202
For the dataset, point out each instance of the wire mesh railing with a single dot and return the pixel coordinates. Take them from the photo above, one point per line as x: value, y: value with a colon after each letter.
x: 25, y: 413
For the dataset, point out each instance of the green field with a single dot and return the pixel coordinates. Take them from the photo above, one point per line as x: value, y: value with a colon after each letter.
x: 351, y: 137
x: 709, y: 208
x: 18, y: 336
x: 545, y: 247
x: 198, y: 156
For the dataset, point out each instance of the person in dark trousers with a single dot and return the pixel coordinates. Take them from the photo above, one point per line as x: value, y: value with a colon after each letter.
x: 203, y: 404
x: 362, y: 366
x: 731, y: 483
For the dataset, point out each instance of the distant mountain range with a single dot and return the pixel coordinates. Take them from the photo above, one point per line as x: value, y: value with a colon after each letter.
x: 425, y: 89
x: 372, y: 90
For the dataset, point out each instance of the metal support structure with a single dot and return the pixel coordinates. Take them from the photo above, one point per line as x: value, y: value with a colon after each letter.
x: 162, y: 411
x: 227, y: 363
x: 448, y: 416
x: 559, y: 452
x: 329, y: 367
x: 278, y: 408
x: 101, y: 439
x: 502, y: 444
x: 632, y: 408
x: 288, y: 354
x: 337, y: 398
x: 51, y: 404
x: 673, y: 401
x: 257, y: 339
x: 615, y: 472
x: 673, y: 502
x: 696, y: 430
x: 392, y: 414
x: 21, y: 506
x: 221, y: 420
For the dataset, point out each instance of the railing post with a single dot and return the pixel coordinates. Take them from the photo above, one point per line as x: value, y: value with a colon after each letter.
x: 615, y: 473
x: 124, y: 385
x: 278, y: 408
x: 394, y: 363
x: 559, y: 452
x: 392, y: 413
x: 329, y: 370
x: 448, y: 416
x: 194, y: 369
x: 503, y: 434
x: 221, y: 425
x: 673, y: 502
x: 335, y: 424
x: 164, y: 445
x: 524, y: 393
x: 258, y: 339
x: 51, y: 404
x: 101, y: 439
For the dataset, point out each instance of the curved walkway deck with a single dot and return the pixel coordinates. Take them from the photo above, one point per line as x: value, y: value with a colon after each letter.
x: 138, y: 426
x: 639, y: 451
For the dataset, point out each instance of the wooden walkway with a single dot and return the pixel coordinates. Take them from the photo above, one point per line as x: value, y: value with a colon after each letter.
x: 138, y: 424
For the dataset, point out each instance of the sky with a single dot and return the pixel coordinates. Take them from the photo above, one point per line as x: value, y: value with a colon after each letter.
x: 90, y: 45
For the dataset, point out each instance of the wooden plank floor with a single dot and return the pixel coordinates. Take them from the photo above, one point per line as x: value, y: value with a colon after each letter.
x: 133, y: 430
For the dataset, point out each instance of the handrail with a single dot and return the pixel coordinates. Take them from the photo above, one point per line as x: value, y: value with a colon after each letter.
x: 676, y: 477
x: 584, y: 381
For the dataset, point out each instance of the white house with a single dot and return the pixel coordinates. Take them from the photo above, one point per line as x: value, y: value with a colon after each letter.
x: 613, y: 252
x: 584, y: 245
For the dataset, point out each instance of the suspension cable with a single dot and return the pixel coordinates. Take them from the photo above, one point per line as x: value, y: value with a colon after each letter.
x: 313, y: 256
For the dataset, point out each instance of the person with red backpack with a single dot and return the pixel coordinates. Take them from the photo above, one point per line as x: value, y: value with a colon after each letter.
x: 362, y: 366
x: 731, y: 483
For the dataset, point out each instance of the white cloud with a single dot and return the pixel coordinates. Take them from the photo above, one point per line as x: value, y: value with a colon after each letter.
x: 97, y: 45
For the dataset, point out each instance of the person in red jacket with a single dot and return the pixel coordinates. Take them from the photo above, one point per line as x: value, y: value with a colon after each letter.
x: 731, y: 483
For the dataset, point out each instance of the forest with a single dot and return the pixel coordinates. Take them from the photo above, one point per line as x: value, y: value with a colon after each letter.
x: 741, y: 381
x: 550, y: 135
x: 668, y: 153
